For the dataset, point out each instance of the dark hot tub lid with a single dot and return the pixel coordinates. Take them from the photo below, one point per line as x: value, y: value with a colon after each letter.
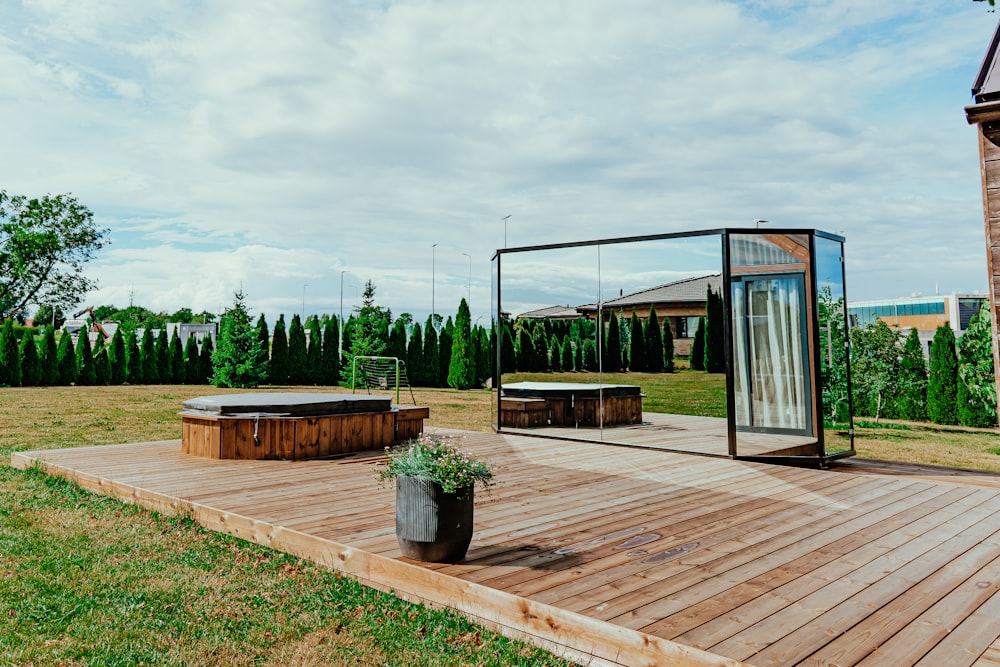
x: 286, y: 404
x: 565, y: 389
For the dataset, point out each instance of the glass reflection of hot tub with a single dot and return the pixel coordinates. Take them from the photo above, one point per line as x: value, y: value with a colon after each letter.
x: 528, y: 404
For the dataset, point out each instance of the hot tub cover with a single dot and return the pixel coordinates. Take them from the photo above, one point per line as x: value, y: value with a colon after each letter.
x: 285, y: 404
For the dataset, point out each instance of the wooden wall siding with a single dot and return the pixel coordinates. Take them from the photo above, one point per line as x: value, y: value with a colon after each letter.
x: 619, y: 556
x: 523, y: 412
x: 297, y: 438
x: 528, y: 413
x: 989, y: 153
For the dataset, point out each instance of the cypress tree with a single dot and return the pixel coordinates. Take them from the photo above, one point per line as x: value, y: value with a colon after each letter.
x: 264, y: 350
x: 590, y: 355
x: 541, y: 345
x: 654, y: 343
x: 912, y: 400
x: 86, y: 374
x: 942, y: 383
x: 297, y: 353
x: 638, y: 361
x: 66, y: 360
x: 31, y: 366
x: 613, y: 358
x: 192, y: 362
x: 397, y: 340
x: 176, y: 358
x: 525, y: 352
x: 698, y: 347
x: 133, y: 361
x: 162, y: 353
x: 10, y: 360
x: 567, y: 355
x: 50, y: 359
x: 667, y: 332
x: 715, y: 335
x: 117, y: 359
x: 555, y: 355
x: 279, y: 367
x: 445, y: 343
x: 431, y: 356
x: 236, y: 361
x: 347, y: 333
x: 508, y: 353
x: 205, y: 356
x: 415, y: 355
x: 147, y: 356
x: 102, y: 365
x: 314, y: 353
x: 330, y: 361
x: 462, y: 368
x: 481, y: 356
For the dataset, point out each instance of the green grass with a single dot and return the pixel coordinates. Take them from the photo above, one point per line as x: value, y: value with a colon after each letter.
x: 87, y: 580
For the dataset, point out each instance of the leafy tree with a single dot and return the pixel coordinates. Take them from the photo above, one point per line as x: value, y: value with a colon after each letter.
x: 86, y: 374
x: 44, y: 315
x: 205, y: 356
x: 654, y: 343
x: 668, y: 346
x: 297, y: 371
x: 10, y: 361
x: 49, y: 359
x: 330, y: 363
x: 834, y: 358
x: 184, y: 316
x: 44, y: 245
x: 431, y: 356
x: 31, y: 367
x: 415, y: 355
x: 66, y: 360
x: 638, y: 361
x: 698, y: 347
x: 370, y: 336
x: 977, y: 397
x: 462, y: 369
x: 133, y: 360
x: 314, y: 353
x: 147, y: 356
x: 942, y: 383
x: 875, y: 362
x: 192, y: 362
x: 715, y: 335
x: 164, y: 372
x: 176, y: 353
x: 613, y: 358
x: 236, y: 361
x: 279, y: 366
x: 116, y: 359
x: 911, y: 402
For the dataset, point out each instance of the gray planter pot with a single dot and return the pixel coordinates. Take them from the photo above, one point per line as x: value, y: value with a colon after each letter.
x: 432, y: 525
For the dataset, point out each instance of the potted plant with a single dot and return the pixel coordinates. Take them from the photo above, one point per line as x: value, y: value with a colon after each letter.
x: 435, y: 488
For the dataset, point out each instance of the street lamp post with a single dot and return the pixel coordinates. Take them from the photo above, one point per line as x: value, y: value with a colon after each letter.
x: 340, y: 328
x: 304, y: 303
x: 758, y: 222
x: 505, y: 218
x: 433, y: 313
x: 468, y: 300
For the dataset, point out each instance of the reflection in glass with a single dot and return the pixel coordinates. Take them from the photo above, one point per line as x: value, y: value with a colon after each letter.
x: 833, y: 337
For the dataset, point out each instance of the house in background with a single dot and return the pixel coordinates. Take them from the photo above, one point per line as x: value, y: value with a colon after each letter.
x: 925, y: 313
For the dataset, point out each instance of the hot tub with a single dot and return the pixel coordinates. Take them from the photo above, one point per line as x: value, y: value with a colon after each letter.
x: 527, y: 404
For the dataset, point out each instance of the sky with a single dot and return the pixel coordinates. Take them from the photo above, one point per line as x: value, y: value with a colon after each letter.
x: 297, y: 149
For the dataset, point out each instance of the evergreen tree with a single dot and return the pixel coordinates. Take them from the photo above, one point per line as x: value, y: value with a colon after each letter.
x: 698, y: 347
x: 590, y: 355
x: 10, y: 360
x: 31, y: 366
x: 613, y: 358
x: 116, y: 358
x: 911, y: 403
x: 66, y: 360
x: 330, y: 359
x: 370, y: 332
x: 102, y: 365
x: 462, y: 368
x: 942, y: 383
x: 638, y: 362
x: 347, y: 333
x: 147, y: 356
x: 715, y: 335
x: 205, y: 356
x: 314, y: 353
x: 397, y: 340
x: 236, y: 361
x: 445, y: 343
x: 297, y: 353
x: 86, y: 374
x: 525, y: 352
x: 176, y: 358
x: 415, y: 355
x: 485, y: 353
x: 541, y: 346
x: 668, y: 346
x: 49, y: 359
x: 555, y: 355
x: 192, y: 362
x: 162, y: 352
x: 279, y: 367
x: 568, y: 357
x: 264, y: 336
x: 431, y: 358
x: 508, y: 353
x: 654, y: 343
x: 977, y: 399
x: 133, y: 361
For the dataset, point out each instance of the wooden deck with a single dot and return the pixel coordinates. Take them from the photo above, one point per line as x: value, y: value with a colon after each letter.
x: 707, y: 436
x: 630, y: 556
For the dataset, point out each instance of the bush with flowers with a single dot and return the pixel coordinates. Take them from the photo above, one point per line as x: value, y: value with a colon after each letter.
x: 430, y: 458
